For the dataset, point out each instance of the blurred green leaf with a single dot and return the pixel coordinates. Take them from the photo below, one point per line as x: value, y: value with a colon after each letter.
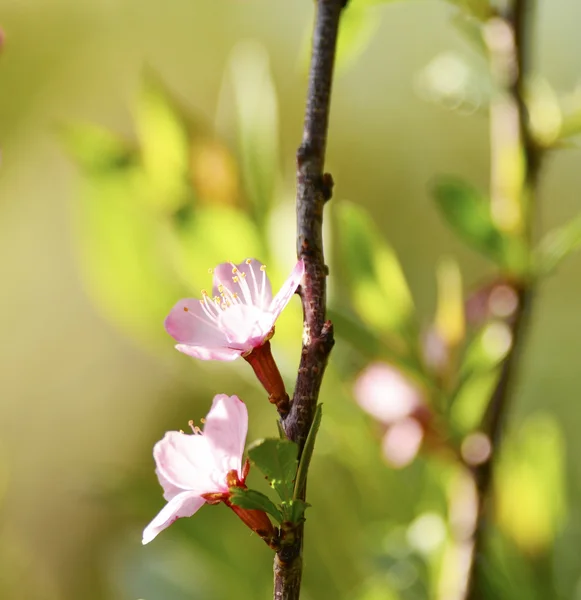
x: 277, y: 459
x: 164, y: 144
x: 557, y: 245
x: 379, y: 290
x: 449, y: 321
x: 257, y: 124
x: 303, y: 468
x: 358, y: 26
x: 531, y: 496
x: 254, y: 500
x: 478, y: 374
x: 468, y: 213
x: 470, y: 401
x: 212, y: 235
x: 118, y: 237
x: 96, y: 149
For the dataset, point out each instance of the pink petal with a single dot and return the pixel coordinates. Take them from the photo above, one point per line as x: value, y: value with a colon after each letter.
x: 225, y: 430
x: 287, y: 290
x: 203, y: 353
x: 185, y: 462
x: 245, y: 327
x: 182, y: 505
x: 169, y: 489
x: 385, y: 393
x: 402, y: 442
x: 193, y: 326
x: 257, y: 291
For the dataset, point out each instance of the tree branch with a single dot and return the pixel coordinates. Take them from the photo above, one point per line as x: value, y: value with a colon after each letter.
x: 507, y: 37
x: 314, y: 188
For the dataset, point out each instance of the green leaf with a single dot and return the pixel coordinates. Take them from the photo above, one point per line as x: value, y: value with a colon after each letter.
x: 358, y: 26
x: 277, y: 459
x: 211, y: 235
x: 479, y: 374
x: 468, y: 213
x: 379, y: 289
x: 257, y: 125
x: 119, y: 251
x: 165, y: 145
x: 297, y: 510
x: 96, y: 149
x: 254, y: 500
x: 363, y: 339
x: 558, y: 245
x: 449, y: 321
x: 531, y: 485
x: 303, y: 469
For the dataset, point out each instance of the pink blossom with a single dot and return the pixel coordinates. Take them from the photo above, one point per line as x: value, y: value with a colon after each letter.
x: 195, y: 468
x: 239, y: 315
x: 386, y: 394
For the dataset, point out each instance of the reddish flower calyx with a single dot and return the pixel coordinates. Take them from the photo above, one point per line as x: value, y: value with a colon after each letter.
x: 266, y: 370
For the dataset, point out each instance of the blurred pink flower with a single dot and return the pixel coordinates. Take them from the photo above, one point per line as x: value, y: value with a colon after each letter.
x: 386, y: 394
x: 237, y: 318
x: 201, y: 467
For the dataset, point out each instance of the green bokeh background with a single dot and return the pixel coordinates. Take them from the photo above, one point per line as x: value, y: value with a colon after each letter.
x: 83, y: 400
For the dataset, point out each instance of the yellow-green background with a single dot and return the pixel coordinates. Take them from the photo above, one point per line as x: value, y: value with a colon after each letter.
x: 82, y: 402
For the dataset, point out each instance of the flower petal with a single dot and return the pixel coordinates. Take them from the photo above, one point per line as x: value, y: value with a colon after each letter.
x: 225, y: 431
x: 402, y: 442
x: 189, y: 324
x: 245, y: 327
x: 169, y: 489
x: 385, y: 393
x: 182, y: 505
x: 185, y: 462
x: 254, y: 288
x: 204, y: 353
x: 287, y: 290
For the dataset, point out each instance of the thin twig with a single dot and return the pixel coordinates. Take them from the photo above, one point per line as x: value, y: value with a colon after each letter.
x: 507, y: 36
x: 314, y: 188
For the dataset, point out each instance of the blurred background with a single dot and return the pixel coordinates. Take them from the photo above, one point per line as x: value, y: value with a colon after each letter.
x: 144, y: 142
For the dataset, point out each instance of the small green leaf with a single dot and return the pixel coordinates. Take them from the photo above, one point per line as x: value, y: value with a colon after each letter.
x: 118, y: 238
x: 280, y: 430
x: 302, y: 471
x: 449, y: 321
x: 479, y: 374
x: 96, y: 149
x: 165, y: 145
x: 558, y: 245
x: 254, y: 500
x: 277, y: 459
x: 531, y: 485
x: 257, y: 124
x: 363, y: 339
x: 358, y: 26
x: 379, y: 289
x: 297, y: 509
x: 468, y: 213
x: 209, y: 236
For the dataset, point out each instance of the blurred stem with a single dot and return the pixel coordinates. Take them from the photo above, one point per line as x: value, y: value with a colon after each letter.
x: 515, y: 163
x: 314, y: 188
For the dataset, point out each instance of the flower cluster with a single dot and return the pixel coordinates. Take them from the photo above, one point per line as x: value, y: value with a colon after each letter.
x: 237, y: 319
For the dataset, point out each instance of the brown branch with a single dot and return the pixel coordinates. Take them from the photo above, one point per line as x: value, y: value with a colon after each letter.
x: 507, y: 36
x: 314, y: 188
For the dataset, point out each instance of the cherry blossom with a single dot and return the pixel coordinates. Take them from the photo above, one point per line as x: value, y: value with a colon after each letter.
x: 201, y: 467
x: 236, y: 318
